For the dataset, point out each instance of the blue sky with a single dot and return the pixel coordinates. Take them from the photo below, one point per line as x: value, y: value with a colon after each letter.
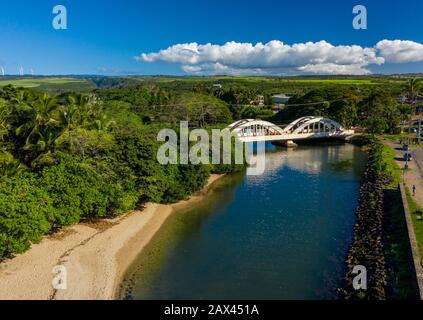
x: 103, y: 37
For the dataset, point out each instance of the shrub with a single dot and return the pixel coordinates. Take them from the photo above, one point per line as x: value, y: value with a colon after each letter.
x: 77, y: 190
x: 194, y: 177
x: 156, y: 182
x: 119, y: 175
x: 139, y: 154
x: 25, y: 211
x: 82, y: 142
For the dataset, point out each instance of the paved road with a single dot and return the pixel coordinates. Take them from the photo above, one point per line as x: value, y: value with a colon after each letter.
x: 413, y: 176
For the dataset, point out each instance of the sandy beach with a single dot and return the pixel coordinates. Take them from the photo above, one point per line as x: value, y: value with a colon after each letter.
x: 95, y: 255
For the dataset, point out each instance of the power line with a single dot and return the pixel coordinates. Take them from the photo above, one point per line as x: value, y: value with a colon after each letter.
x: 245, y: 105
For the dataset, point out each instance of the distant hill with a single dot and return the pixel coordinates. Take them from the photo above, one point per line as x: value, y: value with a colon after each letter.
x: 49, y: 83
x: 269, y: 85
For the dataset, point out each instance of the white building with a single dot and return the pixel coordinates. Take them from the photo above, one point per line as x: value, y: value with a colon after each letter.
x: 281, y: 98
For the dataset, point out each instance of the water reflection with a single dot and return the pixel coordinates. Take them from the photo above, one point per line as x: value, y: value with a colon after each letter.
x: 282, y: 235
x: 312, y: 159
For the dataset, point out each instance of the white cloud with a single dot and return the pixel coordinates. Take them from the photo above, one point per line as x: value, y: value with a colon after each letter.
x: 400, y: 51
x: 332, y: 68
x: 276, y: 57
x: 220, y: 69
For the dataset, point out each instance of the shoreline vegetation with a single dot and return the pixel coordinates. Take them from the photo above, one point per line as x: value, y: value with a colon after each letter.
x: 96, y: 255
x: 77, y: 157
x: 72, y: 158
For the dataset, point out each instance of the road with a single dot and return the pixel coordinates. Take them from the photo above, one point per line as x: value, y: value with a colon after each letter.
x: 413, y: 176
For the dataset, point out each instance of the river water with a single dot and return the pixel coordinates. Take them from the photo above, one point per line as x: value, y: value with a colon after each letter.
x: 280, y: 235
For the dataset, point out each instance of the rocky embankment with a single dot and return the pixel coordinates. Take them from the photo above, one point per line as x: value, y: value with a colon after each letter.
x: 367, y: 246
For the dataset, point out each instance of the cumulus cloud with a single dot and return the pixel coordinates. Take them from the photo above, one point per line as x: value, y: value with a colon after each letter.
x: 333, y: 68
x: 276, y: 57
x: 400, y: 51
x: 218, y: 68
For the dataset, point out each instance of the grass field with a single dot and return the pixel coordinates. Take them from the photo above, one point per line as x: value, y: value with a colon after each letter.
x: 418, y: 224
x: 333, y: 81
x: 391, y: 167
x: 263, y: 84
x: 260, y: 79
x: 50, y: 83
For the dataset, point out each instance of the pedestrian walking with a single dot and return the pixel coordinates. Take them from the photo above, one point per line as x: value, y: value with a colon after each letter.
x: 414, y: 189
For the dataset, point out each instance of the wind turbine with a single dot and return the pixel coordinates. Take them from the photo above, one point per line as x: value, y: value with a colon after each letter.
x: 32, y: 72
x: 2, y: 71
x: 21, y: 71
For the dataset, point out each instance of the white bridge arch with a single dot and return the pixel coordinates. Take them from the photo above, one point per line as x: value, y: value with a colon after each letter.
x: 251, y: 130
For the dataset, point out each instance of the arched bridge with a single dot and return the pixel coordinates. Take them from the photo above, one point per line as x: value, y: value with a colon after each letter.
x: 250, y: 130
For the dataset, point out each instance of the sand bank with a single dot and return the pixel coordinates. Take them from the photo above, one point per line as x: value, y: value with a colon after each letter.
x: 95, y: 255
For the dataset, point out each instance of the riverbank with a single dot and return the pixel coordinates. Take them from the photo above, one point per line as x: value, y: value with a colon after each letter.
x: 95, y: 255
x: 367, y: 248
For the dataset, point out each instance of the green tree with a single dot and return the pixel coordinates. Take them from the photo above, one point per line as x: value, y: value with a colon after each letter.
x: 25, y: 210
x: 412, y: 87
x: 379, y: 113
x: 37, y: 128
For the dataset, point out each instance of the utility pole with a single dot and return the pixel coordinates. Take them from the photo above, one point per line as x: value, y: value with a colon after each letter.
x: 403, y: 174
x: 412, y: 111
x: 202, y: 115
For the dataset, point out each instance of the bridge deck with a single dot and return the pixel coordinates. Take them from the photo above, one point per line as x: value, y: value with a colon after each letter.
x: 310, y: 127
x: 295, y: 137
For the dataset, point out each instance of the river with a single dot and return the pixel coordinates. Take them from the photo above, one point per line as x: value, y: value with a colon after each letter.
x: 280, y: 235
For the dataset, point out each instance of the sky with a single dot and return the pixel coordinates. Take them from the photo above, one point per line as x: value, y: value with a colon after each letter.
x: 201, y: 37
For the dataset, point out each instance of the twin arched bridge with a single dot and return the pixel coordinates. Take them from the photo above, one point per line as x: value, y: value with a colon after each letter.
x: 250, y: 130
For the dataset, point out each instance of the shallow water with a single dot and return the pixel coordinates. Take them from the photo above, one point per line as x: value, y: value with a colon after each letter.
x: 281, y: 235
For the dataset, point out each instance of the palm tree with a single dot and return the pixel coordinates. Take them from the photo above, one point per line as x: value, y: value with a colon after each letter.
x: 413, y: 87
x: 404, y: 111
x: 41, y: 127
x: 4, y: 121
x: 72, y: 114
x: 9, y: 166
x: 102, y: 123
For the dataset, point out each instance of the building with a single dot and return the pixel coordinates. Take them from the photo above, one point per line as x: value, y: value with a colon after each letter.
x: 282, y: 98
x: 416, y: 101
x: 258, y: 101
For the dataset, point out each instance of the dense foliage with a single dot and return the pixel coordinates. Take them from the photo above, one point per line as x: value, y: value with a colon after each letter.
x: 377, y: 110
x: 80, y: 156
